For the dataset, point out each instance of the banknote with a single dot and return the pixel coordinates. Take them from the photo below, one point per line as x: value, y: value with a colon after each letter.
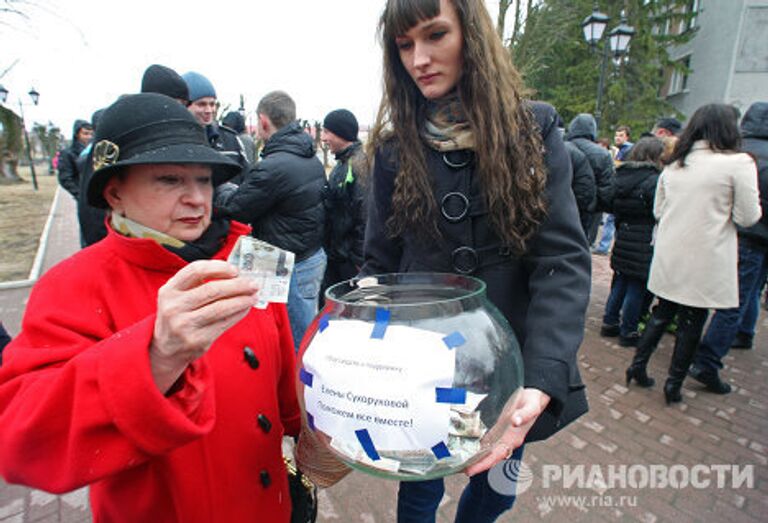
x: 270, y: 266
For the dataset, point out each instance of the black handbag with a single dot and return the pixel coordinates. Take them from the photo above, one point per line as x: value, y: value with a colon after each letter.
x: 303, y: 494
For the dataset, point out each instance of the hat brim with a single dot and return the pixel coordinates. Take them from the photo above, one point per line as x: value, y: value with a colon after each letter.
x: 223, y: 168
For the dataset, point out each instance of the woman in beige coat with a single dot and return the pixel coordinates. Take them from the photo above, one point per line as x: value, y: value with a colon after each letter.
x: 705, y: 191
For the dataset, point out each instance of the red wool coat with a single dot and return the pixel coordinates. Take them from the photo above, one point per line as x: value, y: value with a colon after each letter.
x: 78, y: 405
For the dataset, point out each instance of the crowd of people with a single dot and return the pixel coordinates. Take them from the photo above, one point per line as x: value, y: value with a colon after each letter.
x: 691, y: 230
x: 169, y: 393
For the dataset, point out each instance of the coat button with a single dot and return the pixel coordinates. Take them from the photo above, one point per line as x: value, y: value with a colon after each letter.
x: 265, y: 479
x: 264, y: 423
x: 250, y: 357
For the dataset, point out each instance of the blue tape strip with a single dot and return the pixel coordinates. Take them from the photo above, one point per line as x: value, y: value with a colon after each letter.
x: 322, y: 323
x: 306, y: 377
x: 365, y: 440
x: 455, y: 396
x: 382, y: 321
x: 441, y: 451
x: 454, y: 339
x: 311, y: 421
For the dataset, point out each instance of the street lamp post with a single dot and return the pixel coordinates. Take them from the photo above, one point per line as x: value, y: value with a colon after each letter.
x: 616, y: 44
x: 35, y: 96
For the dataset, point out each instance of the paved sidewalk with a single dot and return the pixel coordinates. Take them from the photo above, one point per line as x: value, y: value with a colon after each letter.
x: 626, y: 426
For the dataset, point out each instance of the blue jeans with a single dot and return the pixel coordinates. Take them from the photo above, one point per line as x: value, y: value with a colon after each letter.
x: 725, y: 322
x: 303, y: 293
x: 609, y: 228
x: 417, y: 501
x: 626, y: 299
x: 749, y: 320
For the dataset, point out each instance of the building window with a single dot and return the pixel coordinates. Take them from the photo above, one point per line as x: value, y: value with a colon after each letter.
x: 693, y: 7
x: 678, y: 79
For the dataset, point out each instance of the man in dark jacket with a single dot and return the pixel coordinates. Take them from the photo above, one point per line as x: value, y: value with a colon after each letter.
x: 281, y: 198
x: 202, y: 104
x: 69, y: 175
x: 91, y: 219
x: 583, y: 183
x: 726, y: 324
x: 235, y: 121
x: 344, y: 198
x: 582, y: 132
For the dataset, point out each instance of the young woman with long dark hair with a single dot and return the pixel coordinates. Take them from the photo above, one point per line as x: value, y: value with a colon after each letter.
x: 471, y: 178
x: 707, y: 189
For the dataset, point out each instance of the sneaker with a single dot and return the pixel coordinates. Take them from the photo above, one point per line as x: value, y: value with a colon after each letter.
x: 742, y: 341
x: 710, y: 380
x: 630, y: 340
x: 609, y: 331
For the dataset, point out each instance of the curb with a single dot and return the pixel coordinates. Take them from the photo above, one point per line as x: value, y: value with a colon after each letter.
x: 37, y: 264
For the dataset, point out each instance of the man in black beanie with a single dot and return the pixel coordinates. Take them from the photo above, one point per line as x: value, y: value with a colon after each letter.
x: 344, y: 198
x: 164, y: 80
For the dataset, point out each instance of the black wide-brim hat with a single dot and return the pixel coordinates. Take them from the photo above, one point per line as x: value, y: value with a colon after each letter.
x: 150, y: 128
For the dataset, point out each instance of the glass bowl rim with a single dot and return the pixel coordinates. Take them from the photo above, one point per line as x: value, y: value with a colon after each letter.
x: 477, y: 289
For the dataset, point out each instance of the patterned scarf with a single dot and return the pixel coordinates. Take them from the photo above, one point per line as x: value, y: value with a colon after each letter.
x: 446, y: 127
x: 201, y: 249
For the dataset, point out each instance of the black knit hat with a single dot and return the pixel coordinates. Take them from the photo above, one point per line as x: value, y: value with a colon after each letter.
x: 164, y: 80
x: 342, y: 123
x: 672, y: 125
x: 150, y: 128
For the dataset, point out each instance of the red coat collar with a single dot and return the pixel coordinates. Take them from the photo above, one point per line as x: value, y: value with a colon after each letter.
x: 150, y: 255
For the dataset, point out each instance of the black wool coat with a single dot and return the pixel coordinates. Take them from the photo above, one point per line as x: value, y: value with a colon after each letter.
x: 632, y: 205
x: 543, y: 293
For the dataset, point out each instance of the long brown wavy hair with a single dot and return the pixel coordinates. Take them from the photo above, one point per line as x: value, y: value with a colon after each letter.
x: 508, y: 150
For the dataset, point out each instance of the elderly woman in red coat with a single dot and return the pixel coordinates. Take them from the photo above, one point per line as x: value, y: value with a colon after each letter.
x: 142, y: 368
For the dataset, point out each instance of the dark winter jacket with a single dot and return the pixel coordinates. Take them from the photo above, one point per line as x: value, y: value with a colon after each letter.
x: 582, y: 132
x: 226, y: 141
x: 345, y: 199
x: 754, y: 129
x: 632, y: 208
x: 91, y: 219
x: 281, y: 196
x: 623, y: 153
x: 235, y: 121
x: 584, y: 187
x: 69, y: 175
x: 543, y: 293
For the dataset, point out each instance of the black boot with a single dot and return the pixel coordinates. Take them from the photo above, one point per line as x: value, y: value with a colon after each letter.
x: 742, y: 341
x: 710, y: 379
x: 690, y: 324
x: 652, y: 334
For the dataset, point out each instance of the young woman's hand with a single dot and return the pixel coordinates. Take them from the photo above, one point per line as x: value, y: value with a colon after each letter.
x: 195, y: 307
x: 529, y: 404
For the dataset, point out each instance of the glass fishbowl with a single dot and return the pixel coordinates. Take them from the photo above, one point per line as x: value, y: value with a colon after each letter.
x: 404, y: 376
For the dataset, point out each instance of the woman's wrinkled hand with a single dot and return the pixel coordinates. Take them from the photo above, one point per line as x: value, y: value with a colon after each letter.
x: 195, y: 307
x: 528, y: 406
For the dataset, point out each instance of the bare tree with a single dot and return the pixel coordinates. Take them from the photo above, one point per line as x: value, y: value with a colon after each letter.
x: 501, y: 19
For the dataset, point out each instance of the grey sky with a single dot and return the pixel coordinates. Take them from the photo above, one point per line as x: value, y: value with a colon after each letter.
x: 81, y: 55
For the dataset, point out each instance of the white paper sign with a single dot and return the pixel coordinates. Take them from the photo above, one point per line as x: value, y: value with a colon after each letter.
x: 385, y: 386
